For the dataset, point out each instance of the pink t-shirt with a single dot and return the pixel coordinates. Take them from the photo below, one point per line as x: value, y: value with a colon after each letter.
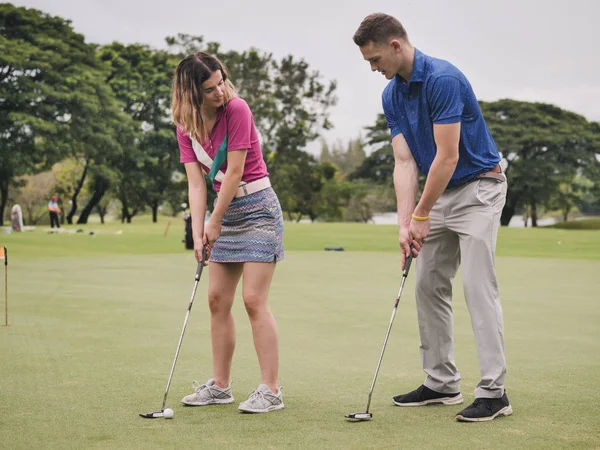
x: 234, y: 120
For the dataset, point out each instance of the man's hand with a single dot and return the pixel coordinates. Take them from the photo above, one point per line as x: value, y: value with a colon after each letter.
x: 406, y: 239
x: 419, y: 230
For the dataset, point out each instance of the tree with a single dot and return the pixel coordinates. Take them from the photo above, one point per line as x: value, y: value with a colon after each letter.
x: 345, y: 157
x: 102, y: 208
x: 34, y: 196
x: 325, y: 154
x: 359, y: 208
x: 70, y: 175
x: 289, y: 101
x: 140, y: 77
x: 343, y: 200
x: 544, y: 146
x: 590, y: 202
x: 569, y: 195
x: 378, y: 167
x: 302, y: 105
x: 329, y: 201
x: 99, y: 182
x: 298, y: 179
x: 55, y: 102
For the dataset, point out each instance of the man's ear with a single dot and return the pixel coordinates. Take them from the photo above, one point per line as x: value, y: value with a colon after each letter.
x: 396, y: 45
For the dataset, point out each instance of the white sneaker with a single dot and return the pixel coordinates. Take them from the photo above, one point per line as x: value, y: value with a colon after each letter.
x: 262, y: 400
x: 208, y: 394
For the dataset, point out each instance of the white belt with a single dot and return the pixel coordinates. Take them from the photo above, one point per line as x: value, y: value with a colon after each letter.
x: 252, y: 187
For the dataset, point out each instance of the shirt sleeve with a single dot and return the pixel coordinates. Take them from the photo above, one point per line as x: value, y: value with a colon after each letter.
x: 446, y: 100
x: 239, y: 125
x: 186, y: 151
x: 390, y: 117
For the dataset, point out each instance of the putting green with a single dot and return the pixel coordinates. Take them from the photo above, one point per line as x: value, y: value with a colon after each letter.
x: 93, y: 334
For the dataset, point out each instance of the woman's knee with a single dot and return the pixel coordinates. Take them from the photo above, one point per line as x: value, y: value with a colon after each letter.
x: 254, y: 302
x: 218, y: 303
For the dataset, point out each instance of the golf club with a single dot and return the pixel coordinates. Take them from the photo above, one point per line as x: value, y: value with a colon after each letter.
x: 161, y: 413
x: 360, y: 416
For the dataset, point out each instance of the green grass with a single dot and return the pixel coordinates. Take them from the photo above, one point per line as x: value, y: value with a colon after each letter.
x: 95, y: 322
x: 584, y: 224
x: 142, y: 237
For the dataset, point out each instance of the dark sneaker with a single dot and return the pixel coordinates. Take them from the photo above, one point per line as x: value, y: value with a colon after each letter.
x: 424, y: 396
x: 484, y: 409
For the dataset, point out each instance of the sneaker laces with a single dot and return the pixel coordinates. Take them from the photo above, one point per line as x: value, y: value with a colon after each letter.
x: 256, y: 394
x: 198, y: 387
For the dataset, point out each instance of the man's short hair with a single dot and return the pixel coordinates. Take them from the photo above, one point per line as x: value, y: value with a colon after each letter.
x: 378, y: 28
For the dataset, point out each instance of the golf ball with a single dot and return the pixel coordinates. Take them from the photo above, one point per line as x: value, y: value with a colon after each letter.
x: 168, y: 413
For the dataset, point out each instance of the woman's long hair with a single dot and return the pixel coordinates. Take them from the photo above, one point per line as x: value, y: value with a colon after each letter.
x: 188, y: 94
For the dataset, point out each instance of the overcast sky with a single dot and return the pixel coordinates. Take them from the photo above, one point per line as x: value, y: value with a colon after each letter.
x: 521, y: 49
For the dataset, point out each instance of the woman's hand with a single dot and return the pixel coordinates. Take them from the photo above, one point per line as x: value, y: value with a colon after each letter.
x: 198, y: 249
x: 212, y: 231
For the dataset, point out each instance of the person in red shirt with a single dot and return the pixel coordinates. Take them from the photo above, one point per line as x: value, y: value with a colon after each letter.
x: 54, y: 210
x: 244, y: 235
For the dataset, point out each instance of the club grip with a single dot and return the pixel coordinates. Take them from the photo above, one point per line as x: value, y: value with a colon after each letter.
x: 408, y: 261
x: 204, y: 251
x: 201, y: 263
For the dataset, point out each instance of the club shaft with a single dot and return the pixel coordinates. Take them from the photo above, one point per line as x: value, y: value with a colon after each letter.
x: 187, y: 316
x: 387, y: 335
x: 175, y: 360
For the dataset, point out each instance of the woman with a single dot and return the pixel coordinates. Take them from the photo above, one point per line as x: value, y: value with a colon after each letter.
x: 244, y: 234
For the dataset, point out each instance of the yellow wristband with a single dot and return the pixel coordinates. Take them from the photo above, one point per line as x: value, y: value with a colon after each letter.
x: 420, y: 219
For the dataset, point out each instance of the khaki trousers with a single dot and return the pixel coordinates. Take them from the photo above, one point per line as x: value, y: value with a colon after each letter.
x: 464, y: 228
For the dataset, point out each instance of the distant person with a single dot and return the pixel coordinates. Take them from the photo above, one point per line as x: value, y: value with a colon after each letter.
x: 437, y: 128
x: 16, y: 217
x: 244, y: 234
x: 189, y: 236
x: 54, y: 210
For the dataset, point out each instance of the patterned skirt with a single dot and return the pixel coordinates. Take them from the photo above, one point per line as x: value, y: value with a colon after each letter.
x: 251, y: 231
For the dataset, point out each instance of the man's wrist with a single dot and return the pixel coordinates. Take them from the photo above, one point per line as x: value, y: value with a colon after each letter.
x: 421, y: 211
x: 404, y: 223
x: 420, y: 218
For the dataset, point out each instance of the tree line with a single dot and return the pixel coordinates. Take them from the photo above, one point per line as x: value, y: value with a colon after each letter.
x: 551, y: 157
x: 92, y: 124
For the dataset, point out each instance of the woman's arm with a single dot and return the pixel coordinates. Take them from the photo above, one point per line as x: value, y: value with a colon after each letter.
x: 236, y: 161
x: 197, y: 198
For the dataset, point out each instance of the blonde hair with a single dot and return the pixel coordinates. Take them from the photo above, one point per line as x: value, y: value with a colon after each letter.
x: 188, y: 95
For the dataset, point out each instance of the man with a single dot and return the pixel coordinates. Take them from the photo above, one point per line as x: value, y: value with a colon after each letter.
x: 53, y: 210
x: 437, y: 128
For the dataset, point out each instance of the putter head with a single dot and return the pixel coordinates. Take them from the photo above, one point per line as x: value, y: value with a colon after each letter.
x: 153, y: 415
x: 358, y: 417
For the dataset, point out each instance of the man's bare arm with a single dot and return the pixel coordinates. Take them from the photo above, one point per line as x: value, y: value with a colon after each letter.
x: 446, y: 137
x: 406, y: 184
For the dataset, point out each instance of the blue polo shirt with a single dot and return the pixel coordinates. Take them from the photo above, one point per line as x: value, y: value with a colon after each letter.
x: 439, y: 93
